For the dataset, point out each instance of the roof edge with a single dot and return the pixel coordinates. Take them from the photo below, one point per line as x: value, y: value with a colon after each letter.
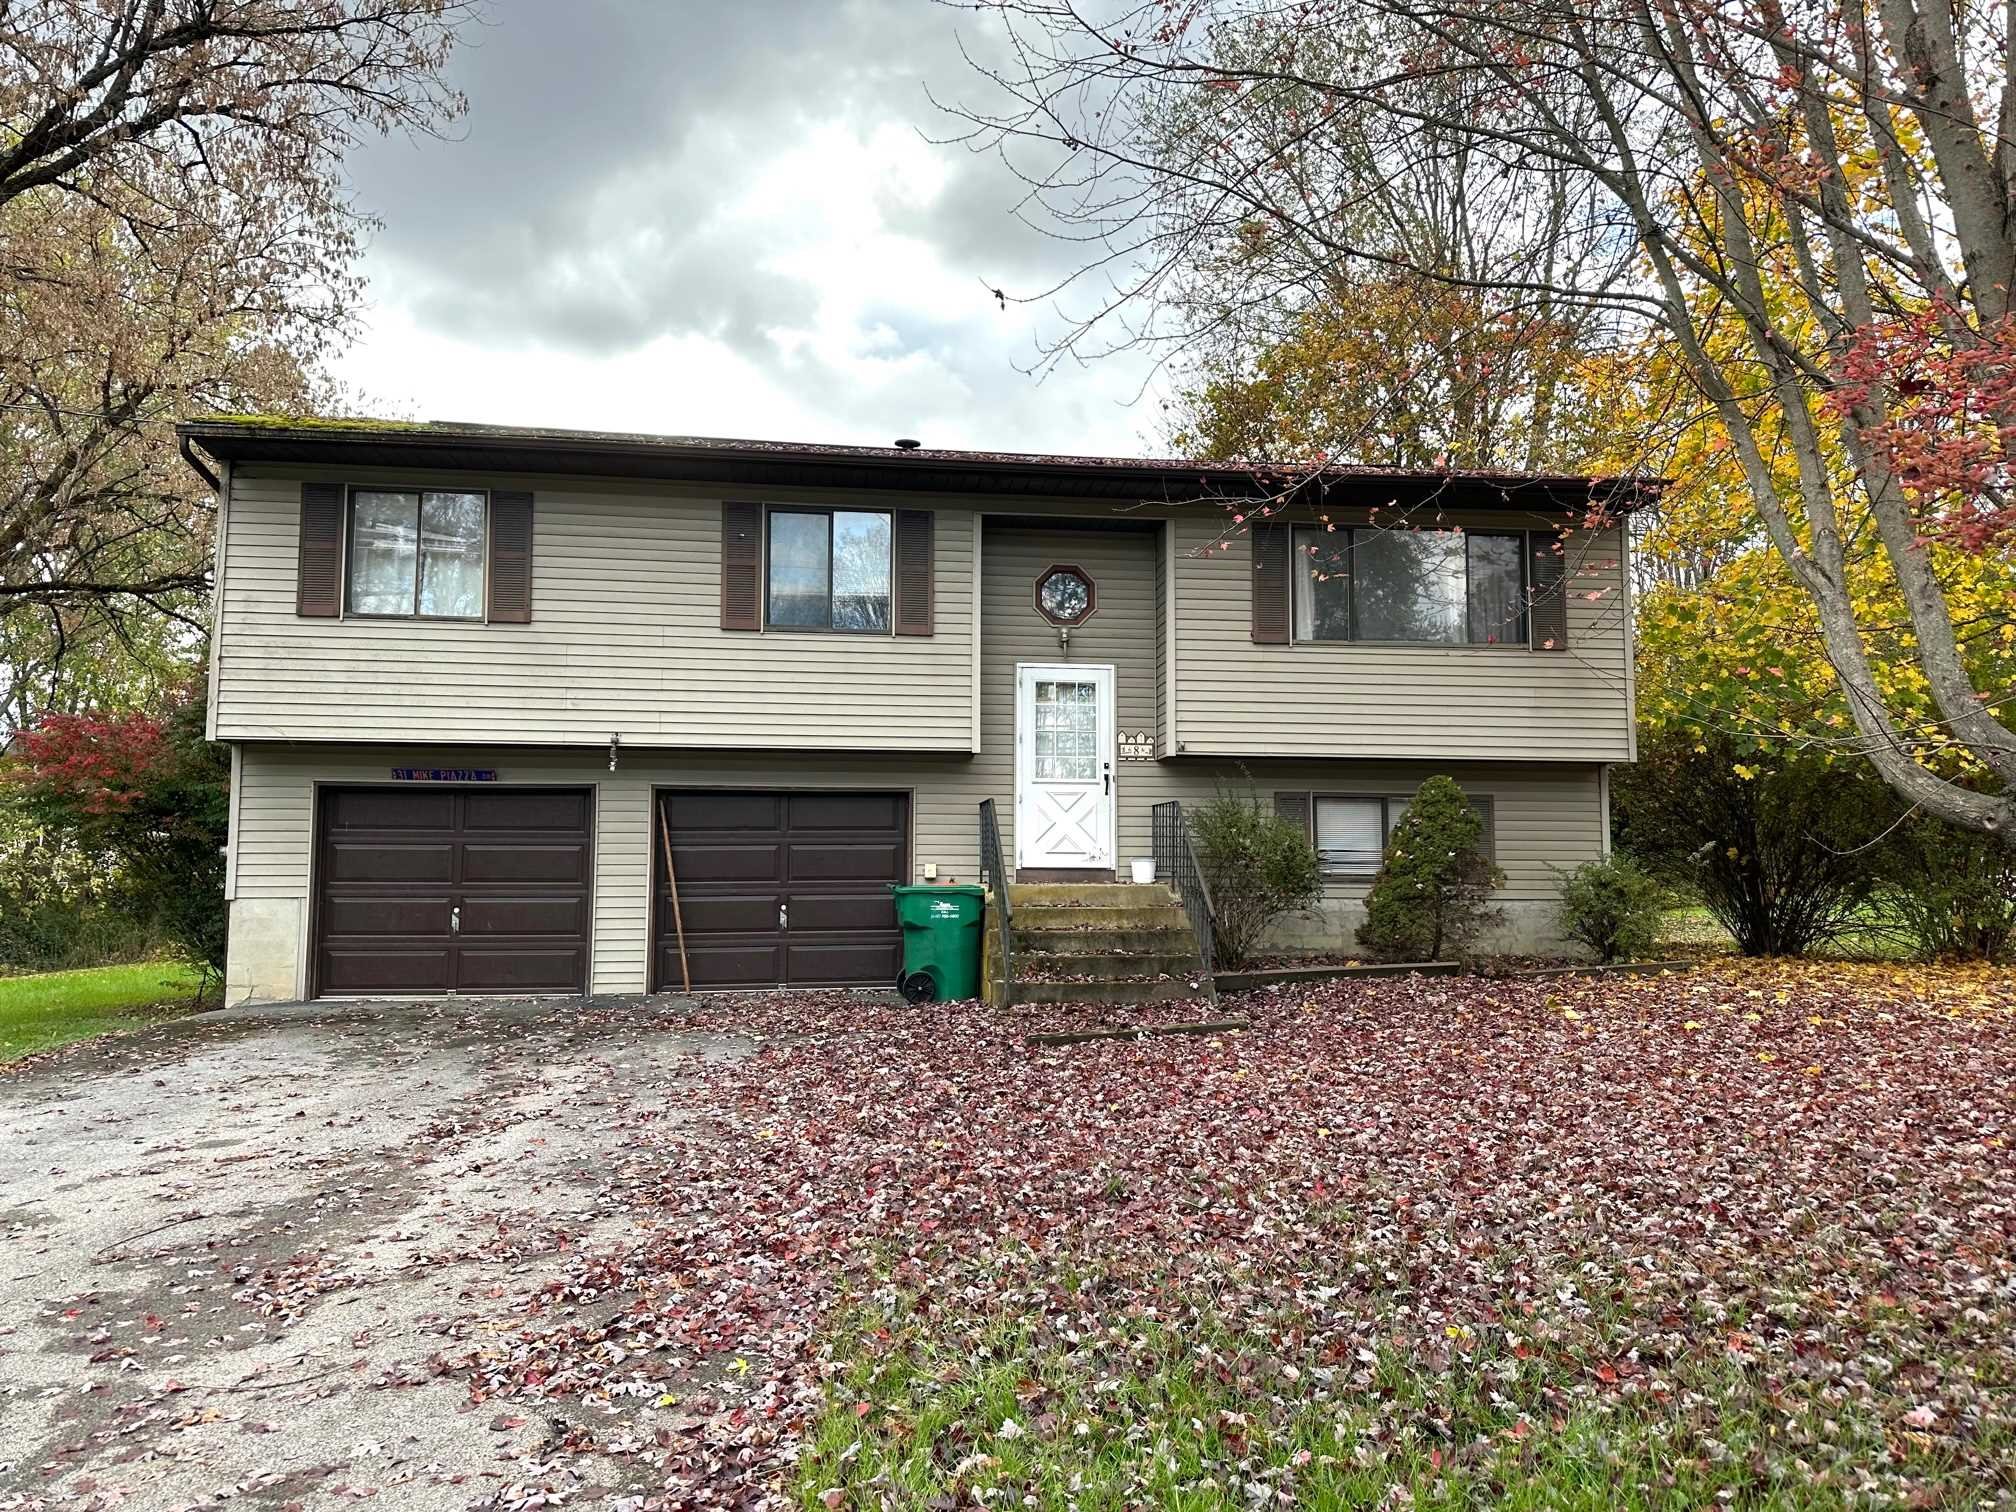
x: 448, y: 445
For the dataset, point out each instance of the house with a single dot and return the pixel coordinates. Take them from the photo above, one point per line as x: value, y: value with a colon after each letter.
x: 478, y: 682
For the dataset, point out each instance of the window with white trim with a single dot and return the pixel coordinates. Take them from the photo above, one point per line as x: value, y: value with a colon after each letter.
x: 1351, y: 833
x: 416, y: 553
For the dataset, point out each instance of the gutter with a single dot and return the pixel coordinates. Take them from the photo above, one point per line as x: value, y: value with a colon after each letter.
x: 953, y: 472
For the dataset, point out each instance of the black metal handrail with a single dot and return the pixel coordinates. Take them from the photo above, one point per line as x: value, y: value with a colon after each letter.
x: 1176, y: 864
x: 996, y: 873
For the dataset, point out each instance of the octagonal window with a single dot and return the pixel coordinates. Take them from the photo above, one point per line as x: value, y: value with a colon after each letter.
x: 1065, y: 595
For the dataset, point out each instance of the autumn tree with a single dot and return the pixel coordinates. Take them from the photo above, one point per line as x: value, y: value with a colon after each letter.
x: 1429, y: 350
x: 176, y: 237
x: 1809, y: 210
x: 146, y: 791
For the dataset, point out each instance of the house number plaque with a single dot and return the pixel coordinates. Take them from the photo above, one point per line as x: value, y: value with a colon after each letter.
x: 1137, y: 745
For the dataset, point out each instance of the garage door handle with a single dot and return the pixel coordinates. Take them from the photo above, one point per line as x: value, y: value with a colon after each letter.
x: 783, y: 915
x: 454, y: 921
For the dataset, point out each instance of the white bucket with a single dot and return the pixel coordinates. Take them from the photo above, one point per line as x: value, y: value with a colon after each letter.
x: 1144, y: 869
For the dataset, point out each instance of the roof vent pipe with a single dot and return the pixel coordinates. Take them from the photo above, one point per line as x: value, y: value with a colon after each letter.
x: 907, y: 443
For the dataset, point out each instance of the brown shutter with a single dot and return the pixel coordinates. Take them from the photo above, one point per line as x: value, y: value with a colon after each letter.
x: 741, y: 566
x: 1294, y: 807
x: 914, y: 586
x: 511, y: 557
x: 1271, y: 542
x: 1548, y: 619
x: 318, y: 580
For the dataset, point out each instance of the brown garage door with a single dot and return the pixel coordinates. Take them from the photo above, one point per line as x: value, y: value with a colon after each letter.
x: 444, y: 889
x: 781, y: 889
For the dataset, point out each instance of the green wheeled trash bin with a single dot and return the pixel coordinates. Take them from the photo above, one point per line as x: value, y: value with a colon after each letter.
x: 941, y: 941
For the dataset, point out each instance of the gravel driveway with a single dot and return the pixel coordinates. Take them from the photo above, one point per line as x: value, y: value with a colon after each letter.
x: 230, y: 1246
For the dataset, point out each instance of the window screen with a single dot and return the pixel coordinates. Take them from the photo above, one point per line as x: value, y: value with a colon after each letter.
x: 829, y: 570
x: 1350, y: 834
x: 1431, y: 587
x: 417, y: 553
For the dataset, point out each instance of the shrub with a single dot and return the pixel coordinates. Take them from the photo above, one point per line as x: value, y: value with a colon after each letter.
x: 1613, y: 907
x: 60, y: 906
x: 1948, y: 893
x: 152, y: 796
x: 1259, y: 867
x: 1434, y: 885
x: 1784, y: 851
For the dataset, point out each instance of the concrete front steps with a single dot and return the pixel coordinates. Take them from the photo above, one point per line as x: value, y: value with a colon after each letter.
x: 1098, y: 943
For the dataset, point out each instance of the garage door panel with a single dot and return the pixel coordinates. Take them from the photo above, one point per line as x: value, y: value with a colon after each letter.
x: 720, y: 861
x: 724, y: 964
x: 845, y: 861
x: 845, y: 811
x: 430, y: 862
x: 842, y: 963
x: 748, y: 913
x: 483, y: 968
x: 388, y: 809
x: 451, y: 889
x: 363, y: 916
x: 567, y: 916
x: 348, y: 970
x: 843, y: 911
x: 512, y: 811
x: 494, y: 861
x: 689, y: 813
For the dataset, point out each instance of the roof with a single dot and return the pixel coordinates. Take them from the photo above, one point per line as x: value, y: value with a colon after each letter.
x: 460, y: 445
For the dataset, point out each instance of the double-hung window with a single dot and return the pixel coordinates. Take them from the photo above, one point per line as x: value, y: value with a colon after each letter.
x: 828, y: 569
x: 1435, y: 587
x: 416, y: 553
x: 1351, y: 834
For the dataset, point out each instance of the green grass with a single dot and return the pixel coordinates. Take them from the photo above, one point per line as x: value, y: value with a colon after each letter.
x: 38, y: 1012
x: 1694, y: 928
x: 1693, y: 925
x: 1137, y: 1413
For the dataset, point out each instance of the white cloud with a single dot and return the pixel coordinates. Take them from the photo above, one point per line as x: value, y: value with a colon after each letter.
x: 757, y: 260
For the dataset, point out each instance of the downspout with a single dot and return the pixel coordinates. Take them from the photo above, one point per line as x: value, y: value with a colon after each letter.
x: 189, y: 455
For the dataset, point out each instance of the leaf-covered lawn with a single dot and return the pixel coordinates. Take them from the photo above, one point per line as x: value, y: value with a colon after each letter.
x: 1748, y: 1235
x: 52, y: 1008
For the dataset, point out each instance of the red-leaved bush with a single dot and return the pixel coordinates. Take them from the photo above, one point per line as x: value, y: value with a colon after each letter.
x: 147, y: 791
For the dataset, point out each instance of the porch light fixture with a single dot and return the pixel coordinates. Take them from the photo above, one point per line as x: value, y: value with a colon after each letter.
x: 1066, y: 596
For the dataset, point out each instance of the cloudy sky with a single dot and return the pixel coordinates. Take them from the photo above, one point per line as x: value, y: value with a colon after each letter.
x: 678, y: 216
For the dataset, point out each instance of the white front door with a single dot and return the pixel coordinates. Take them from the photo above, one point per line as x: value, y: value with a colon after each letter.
x: 1063, y: 766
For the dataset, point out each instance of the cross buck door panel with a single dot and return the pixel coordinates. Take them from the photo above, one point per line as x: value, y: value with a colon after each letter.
x: 1064, y: 767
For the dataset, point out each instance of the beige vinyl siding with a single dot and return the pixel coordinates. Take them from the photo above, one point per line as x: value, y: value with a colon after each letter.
x: 1546, y: 816
x: 1120, y: 634
x: 1236, y: 698
x: 625, y: 638
x: 275, y: 839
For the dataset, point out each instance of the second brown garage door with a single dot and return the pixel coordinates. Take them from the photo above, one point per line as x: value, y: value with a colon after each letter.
x: 780, y: 889
x: 429, y: 889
